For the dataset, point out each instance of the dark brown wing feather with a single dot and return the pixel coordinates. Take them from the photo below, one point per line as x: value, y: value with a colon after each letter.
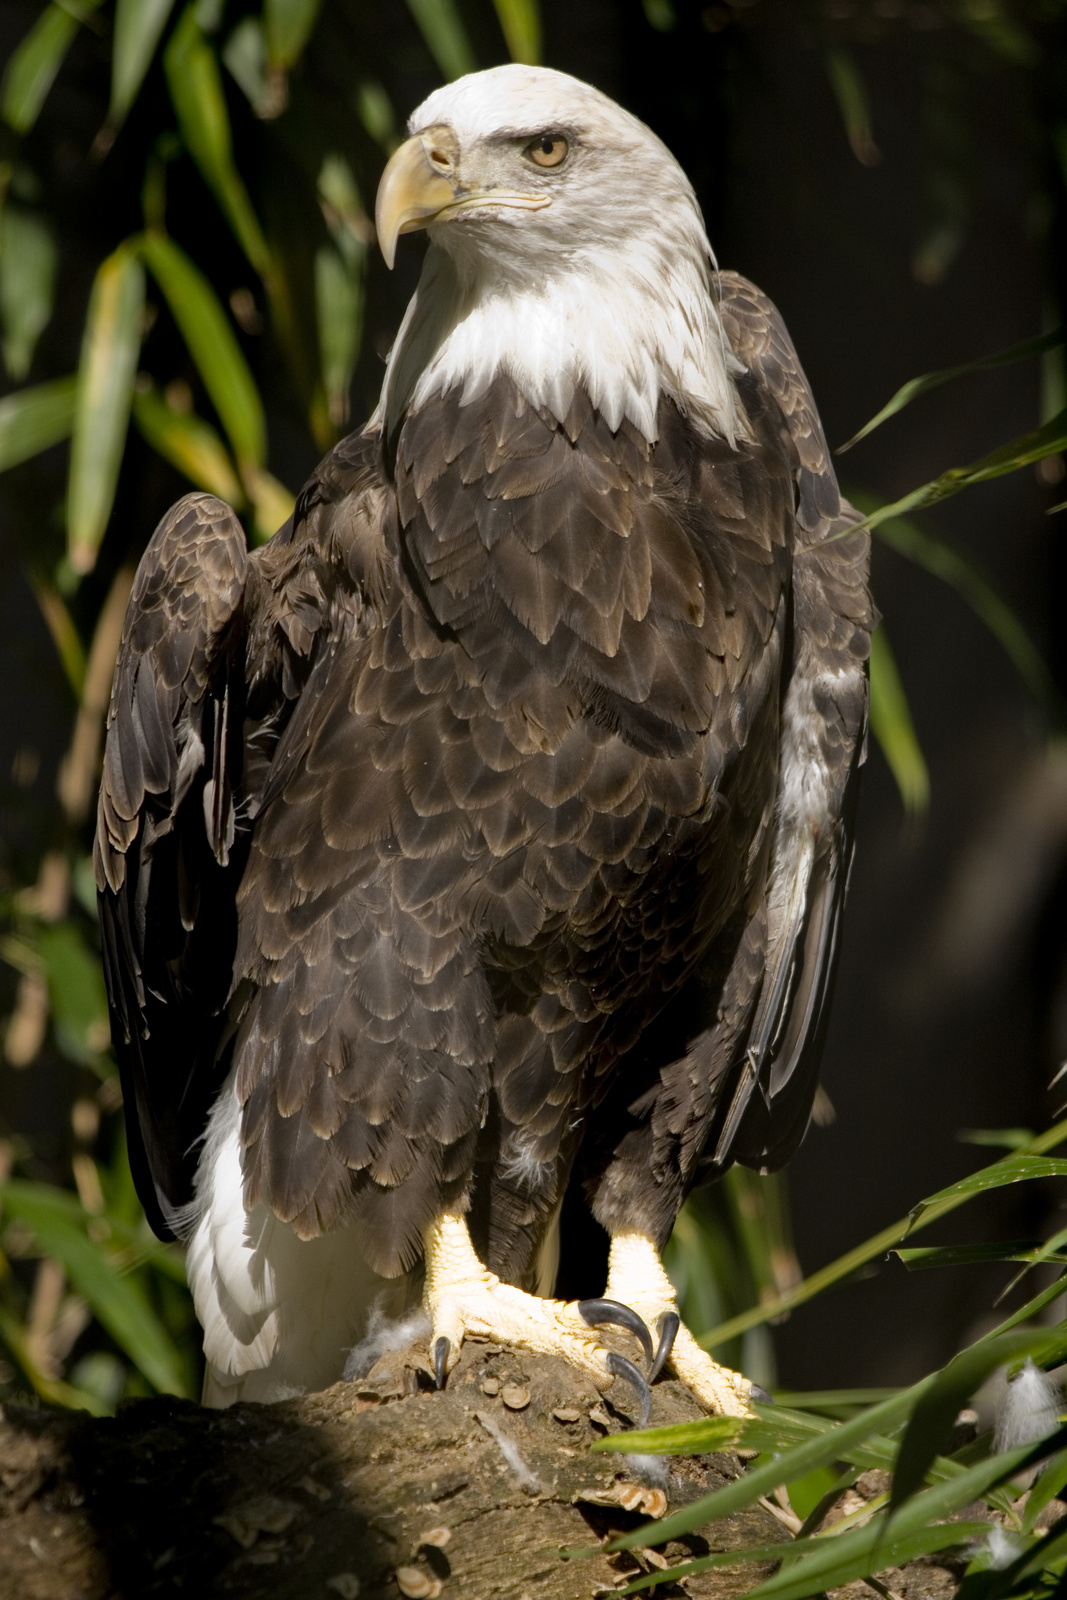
x: 166, y: 835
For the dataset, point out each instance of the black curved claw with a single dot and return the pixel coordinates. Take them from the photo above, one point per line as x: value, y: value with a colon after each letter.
x: 440, y: 1360
x: 625, y: 1369
x: 758, y: 1393
x: 669, y: 1324
x: 597, y: 1312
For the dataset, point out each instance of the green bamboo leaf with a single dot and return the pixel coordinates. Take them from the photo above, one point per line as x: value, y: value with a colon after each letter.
x: 1048, y: 440
x: 931, y: 1420
x: 118, y: 1302
x: 831, y: 1401
x: 75, y: 990
x: 933, y: 380
x: 35, y: 419
x: 965, y: 1255
x: 139, y: 27
x: 1049, y: 1251
x: 60, y: 624
x: 288, y: 27
x: 52, y: 1390
x: 858, y: 1257
x: 196, y: 91
x: 850, y: 91
x: 446, y: 38
x: 892, y: 726
x: 1048, y: 1487
x: 212, y: 343
x: 520, y: 23
x: 925, y: 1542
x: 1011, y: 1169
x: 110, y: 347
x: 968, y: 579
x: 272, y: 503
x: 244, y: 55
x: 31, y: 71
x: 27, y: 282
x: 997, y: 1138
x: 339, y: 304
x: 188, y: 443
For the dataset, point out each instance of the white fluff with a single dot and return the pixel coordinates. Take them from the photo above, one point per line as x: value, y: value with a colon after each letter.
x: 609, y: 287
x: 1029, y: 1410
x: 510, y: 1451
x: 652, y: 1470
x: 279, y: 1313
x: 1002, y: 1547
x: 382, y: 1335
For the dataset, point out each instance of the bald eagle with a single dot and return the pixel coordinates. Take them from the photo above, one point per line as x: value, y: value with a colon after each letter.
x: 479, y: 844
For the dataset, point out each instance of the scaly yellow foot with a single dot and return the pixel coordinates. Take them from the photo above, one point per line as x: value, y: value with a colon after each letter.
x: 636, y: 1278
x: 463, y: 1297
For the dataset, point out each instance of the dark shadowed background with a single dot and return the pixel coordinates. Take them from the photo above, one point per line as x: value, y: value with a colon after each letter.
x: 892, y: 174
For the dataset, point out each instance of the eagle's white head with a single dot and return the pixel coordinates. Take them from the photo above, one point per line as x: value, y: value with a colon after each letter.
x: 566, y: 249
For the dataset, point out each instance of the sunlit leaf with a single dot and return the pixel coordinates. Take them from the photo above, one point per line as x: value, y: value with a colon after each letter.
x: 288, y: 28
x: 196, y: 91
x: 119, y: 1302
x: 339, y: 303
x: 27, y: 282
x: 933, y: 380
x: 212, y: 343
x: 997, y: 1138
x: 1011, y: 1169
x: 446, y: 37
x: 188, y: 443
x: 850, y: 91
x: 110, y: 348
x: 139, y: 27
x: 376, y: 113
x: 272, y: 503
x: 966, y: 1255
x: 1048, y: 1487
x: 75, y: 989
x: 520, y: 22
x: 32, y: 68
x: 35, y: 419
x: 893, y: 728
x: 244, y: 55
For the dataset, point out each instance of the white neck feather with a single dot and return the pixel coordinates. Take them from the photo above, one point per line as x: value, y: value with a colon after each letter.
x: 629, y: 327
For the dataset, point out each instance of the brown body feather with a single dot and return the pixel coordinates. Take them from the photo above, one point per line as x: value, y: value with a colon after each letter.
x: 485, y: 813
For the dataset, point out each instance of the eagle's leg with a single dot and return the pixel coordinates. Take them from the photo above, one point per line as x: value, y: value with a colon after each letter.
x: 637, y: 1278
x: 463, y: 1297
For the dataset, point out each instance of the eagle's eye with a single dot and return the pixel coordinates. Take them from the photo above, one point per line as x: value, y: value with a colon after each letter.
x: 550, y: 150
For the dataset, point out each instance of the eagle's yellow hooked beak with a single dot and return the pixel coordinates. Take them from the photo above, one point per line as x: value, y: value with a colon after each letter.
x: 421, y: 184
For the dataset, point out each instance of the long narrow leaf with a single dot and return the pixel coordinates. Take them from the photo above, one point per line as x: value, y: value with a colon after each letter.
x: 34, y: 419
x: 520, y: 23
x: 213, y: 346
x: 288, y: 27
x: 446, y: 38
x: 195, y: 84
x: 892, y: 726
x: 1012, y: 1169
x: 1048, y: 440
x: 870, y: 1250
x: 933, y: 380
x: 188, y: 443
x: 966, y: 1255
x: 31, y: 71
x: 27, y: 281
x: 139, y: 27
x: 52, y: 1390
x: 966, y: 577
x: 60, y: 625
x: 110, y: 349
x: 117, y: 1301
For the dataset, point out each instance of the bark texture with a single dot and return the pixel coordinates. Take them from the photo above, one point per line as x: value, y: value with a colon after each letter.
x: 377, y: 1488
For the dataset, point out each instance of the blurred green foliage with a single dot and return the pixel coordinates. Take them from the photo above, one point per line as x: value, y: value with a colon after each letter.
x: 220, y: 307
